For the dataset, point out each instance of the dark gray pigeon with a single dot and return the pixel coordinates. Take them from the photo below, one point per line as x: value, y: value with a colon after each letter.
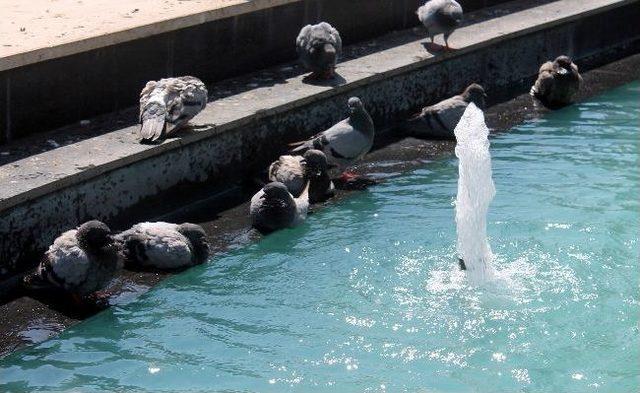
x: 163, y: 245
x: 273, y: 207
x: 80, y: 261
x: 168, y: 104
x: 319, y: 47
x: 440, y: 17
x: 439, y: 120
x: 558, y: 82
x: 345, y: 142
x: 295, y: 171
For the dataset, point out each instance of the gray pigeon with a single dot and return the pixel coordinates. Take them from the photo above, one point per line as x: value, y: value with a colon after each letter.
x: 273, y: 207
x: 557, y: 83
x: 294, y: 171
x: 440, y: 16
x: 319, y: 47
x: 345, y: 142
x: 439, y: 120
x: 80, y: 261
x: 168, y: 104
x: 164, y: 245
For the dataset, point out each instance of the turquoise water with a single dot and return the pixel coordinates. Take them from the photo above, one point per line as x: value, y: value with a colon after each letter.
x: 366, y: 296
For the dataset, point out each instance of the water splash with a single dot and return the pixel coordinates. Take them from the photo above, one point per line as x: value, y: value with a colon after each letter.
x: 475, y: 192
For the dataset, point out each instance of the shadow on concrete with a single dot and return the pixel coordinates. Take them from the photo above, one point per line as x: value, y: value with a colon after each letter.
x: 337, y: 80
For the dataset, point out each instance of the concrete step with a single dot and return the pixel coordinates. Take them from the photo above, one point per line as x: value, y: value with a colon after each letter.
x: 109, y: 176
x: 64, y: 61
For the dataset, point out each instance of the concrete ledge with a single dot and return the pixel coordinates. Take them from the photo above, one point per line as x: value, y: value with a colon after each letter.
x: 78, y: 76
x: 106, y: 176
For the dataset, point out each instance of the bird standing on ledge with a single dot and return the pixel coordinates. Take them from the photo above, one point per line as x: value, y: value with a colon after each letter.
x: 319, y: 47
x: 168, y: 104
x: 440, y: 17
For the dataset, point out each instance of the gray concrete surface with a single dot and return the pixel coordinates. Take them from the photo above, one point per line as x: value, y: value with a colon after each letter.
x: 111, y: 176
x: 104, y: 71
x: 29, y: 320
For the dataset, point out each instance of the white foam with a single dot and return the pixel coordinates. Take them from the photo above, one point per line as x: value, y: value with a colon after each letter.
x: 475, y: 192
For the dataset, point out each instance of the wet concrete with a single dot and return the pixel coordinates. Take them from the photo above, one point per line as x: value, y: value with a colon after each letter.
x: 224, y: 215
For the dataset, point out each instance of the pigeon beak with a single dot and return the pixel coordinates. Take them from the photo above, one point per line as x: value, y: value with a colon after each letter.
x: 562, y: 71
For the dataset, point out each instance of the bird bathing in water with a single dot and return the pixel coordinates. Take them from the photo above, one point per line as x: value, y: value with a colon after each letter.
x: 558, y: 82
x: 273, y: 208
x: 80, y: 262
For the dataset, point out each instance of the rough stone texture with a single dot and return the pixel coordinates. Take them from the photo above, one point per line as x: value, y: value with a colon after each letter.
x: 111, y: 174
x: 62, y: 90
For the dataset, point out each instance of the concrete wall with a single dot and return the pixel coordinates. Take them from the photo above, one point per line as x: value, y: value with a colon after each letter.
x: 32, y: 225
x: 42, y: 96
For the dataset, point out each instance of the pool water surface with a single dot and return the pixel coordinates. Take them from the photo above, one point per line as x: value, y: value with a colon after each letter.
x: 366, y: 295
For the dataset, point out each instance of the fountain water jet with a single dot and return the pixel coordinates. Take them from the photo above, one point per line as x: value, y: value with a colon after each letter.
x: 475, y: 192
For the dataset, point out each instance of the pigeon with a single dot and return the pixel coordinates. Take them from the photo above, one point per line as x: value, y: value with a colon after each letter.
x: 163, y: 245
x: 273, y: 207
x: 558, y: 82
x: 294, y: 171
x: 346, y: 141
x: 168, y: 104
x: 80, y: 261
x: 439, y: 120
x: 440, y: 16
x: 319, y: 47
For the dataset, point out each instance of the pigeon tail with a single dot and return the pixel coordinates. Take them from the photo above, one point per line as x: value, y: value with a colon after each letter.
x: 299, y: 147
x: 152, y: 129
x: 304, y: 196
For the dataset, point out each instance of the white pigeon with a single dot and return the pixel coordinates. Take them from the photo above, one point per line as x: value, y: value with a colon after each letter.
x: 80, y: 261
x: 273, y: 207
x: 440, y: 17
x: 319, y: 47
x: 164, y: 245
x: 345, y: 142
x: 439, y: 120
x: 294, y: 171
x: 168, y: 104
x: 558, y: 82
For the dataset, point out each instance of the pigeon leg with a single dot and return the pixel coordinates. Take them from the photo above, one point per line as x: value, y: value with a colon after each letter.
x: 447, y: 48
x: 328, y: 74
x: 348, y: 176
x: 352, y: 181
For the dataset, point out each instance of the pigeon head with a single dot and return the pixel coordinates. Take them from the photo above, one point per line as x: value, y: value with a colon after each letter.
x: 198, y: 239
x: 275, y: 190
x: 94, y: 235
x: 315, y: 163
x: 563, y: 64
x: 355, y: 105
x: 475, y: 93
